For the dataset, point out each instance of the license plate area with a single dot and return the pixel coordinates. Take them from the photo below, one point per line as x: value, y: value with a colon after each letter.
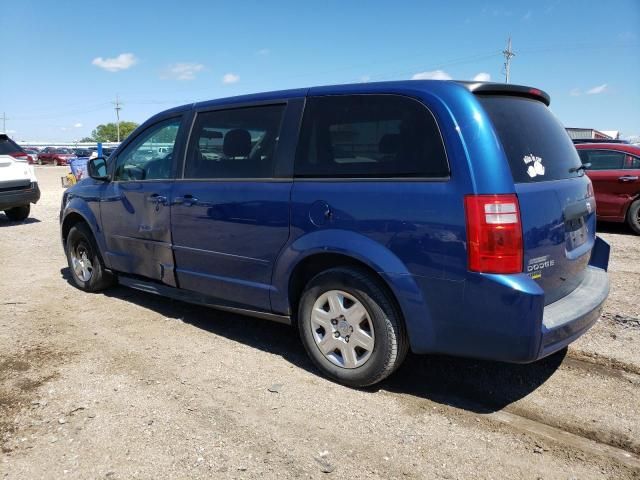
x: 576, y: 233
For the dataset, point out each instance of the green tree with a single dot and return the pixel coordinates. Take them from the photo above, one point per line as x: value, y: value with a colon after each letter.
x: 108, y: 132
x: 86, y: 140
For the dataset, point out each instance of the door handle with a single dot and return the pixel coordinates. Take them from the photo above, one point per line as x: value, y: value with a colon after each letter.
x: 628, y: 178
x: 157, y: 199
x: 186, y: 200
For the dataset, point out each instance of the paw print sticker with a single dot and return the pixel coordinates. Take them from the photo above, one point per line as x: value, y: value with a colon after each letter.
x: 534, y: 165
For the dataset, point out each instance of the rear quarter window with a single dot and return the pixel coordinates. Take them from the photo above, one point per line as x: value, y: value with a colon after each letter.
x: 536, y: 144
x: 369, y: 136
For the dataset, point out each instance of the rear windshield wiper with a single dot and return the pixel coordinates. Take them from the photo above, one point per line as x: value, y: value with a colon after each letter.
x: 584, y: 166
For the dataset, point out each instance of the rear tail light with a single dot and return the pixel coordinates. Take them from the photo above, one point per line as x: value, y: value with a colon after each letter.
x: 590, y: 193
x: 20, y: 156
x: 494, y: 233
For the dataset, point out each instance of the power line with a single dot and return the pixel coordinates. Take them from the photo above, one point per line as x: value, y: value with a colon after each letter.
x: 508, y: 55
x: 66, y: 113
x: 459, y: 61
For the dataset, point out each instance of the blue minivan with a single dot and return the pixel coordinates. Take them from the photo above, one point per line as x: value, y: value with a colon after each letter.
x: 432, y: 216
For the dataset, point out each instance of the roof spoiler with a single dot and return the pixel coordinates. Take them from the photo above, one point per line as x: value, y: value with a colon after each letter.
x: 482, y: 88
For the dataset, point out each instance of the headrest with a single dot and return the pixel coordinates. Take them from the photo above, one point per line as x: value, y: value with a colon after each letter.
x: 389, y: 144
x: 237, y: 143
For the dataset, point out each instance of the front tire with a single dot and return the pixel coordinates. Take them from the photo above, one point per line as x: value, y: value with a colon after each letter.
x: 350, y: 327
x: 87, y: 268
x: 18, y: 214
x: 633, y: 216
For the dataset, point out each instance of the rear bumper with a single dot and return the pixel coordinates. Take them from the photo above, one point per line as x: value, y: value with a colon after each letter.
x: 17, y: 198
x: 568, y: 318
x: 504, y: 317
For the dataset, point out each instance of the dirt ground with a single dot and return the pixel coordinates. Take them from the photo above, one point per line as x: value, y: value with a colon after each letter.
x: 123, y: 385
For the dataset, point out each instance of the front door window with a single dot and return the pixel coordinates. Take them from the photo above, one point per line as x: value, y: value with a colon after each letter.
x: 150, y: 156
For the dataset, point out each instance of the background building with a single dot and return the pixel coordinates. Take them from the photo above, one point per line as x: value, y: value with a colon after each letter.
x: 578, y: 133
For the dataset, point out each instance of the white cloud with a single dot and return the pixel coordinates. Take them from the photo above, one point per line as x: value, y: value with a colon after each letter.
x: 575, y: 92
x: 229, y: 78
x: 482, y: 77
x: 365, y: 79
x: 434, y: 75
x: 597, y: 90
x: 527, y: 16
x: 182, y: 71
x: 263, y: 51
x: 77, y: 125
x: 121, y: 62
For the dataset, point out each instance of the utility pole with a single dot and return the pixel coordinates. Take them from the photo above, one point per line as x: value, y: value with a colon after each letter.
x: 508, y: 55
x: 4, y: 122
x: 117, y: 107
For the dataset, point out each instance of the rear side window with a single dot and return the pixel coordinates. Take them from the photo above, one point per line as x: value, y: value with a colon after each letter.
x: 369, y: 136
x: 536, y: 144
x: 8, y: 146
x: 239, y: 143
x: 603, y: 159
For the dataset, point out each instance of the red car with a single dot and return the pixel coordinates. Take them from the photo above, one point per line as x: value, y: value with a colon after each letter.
x: 55, y: 156
x: 614, y: 169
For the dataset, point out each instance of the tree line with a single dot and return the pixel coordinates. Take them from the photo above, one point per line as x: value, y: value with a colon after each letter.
x: 108, y: 132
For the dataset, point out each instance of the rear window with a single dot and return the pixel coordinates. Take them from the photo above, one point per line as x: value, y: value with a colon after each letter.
x: 8, y: 146
x: 536, y: 144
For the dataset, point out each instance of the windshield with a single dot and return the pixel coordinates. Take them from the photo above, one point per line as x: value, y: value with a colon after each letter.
x: 537, y: 146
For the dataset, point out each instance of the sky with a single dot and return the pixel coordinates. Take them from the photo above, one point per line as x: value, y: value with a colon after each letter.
x: 64, y: 63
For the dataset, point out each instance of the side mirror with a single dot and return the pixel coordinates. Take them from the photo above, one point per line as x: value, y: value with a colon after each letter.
x: 97, y: 168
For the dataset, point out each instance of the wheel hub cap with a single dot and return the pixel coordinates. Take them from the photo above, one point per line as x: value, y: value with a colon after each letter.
x: 81, y: 264
x: 342, y: 329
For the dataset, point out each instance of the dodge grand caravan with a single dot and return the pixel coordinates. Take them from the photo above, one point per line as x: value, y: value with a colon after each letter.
x: 437, y: 216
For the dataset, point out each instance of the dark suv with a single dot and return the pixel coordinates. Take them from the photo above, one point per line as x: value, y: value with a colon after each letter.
x: 436, y: 216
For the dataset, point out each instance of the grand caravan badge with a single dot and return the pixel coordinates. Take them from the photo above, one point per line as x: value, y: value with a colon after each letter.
x: 534, y: 165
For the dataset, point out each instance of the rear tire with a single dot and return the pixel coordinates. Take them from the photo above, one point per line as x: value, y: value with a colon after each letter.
x: 18, y: 214
x: 83, y: 257
x: 633, y: 216
x: 350, y: 327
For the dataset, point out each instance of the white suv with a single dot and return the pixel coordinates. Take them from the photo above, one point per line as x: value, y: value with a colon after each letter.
x: 18, y: 184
